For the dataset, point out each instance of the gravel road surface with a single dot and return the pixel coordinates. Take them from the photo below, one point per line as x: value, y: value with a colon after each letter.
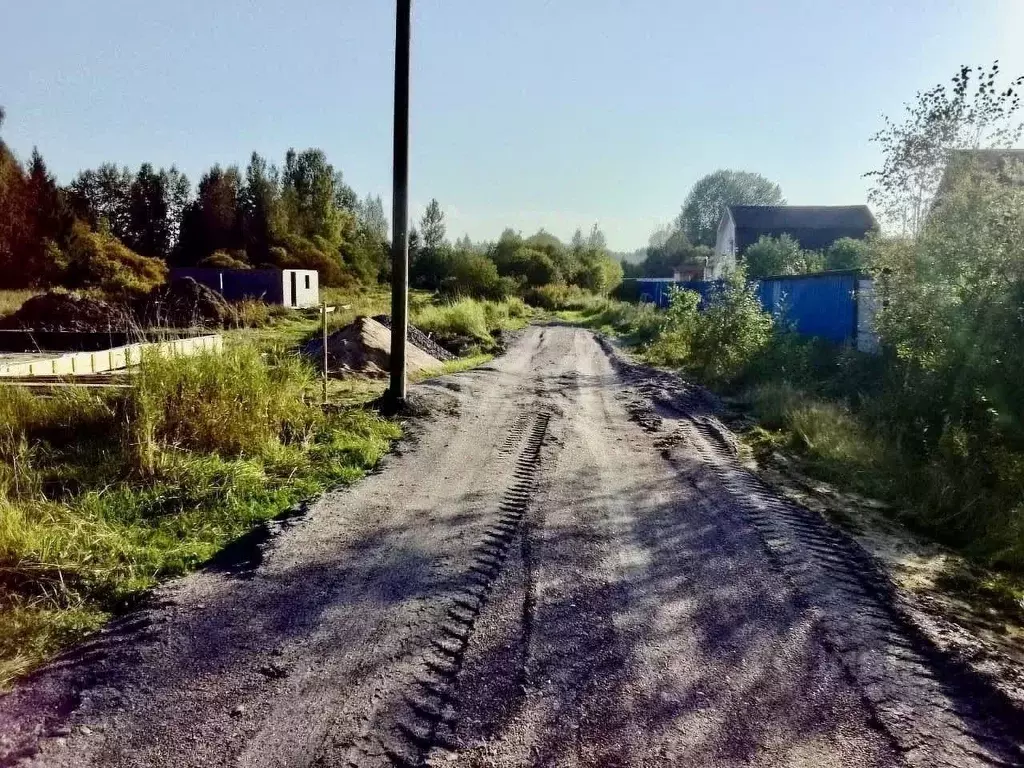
x: 565, y: 565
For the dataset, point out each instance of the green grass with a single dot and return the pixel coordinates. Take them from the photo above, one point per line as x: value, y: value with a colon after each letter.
x: 472, y: 319
x: 11, y: 301
x: 833, y: 442
x: 102, y: 496
x: 636, y: 324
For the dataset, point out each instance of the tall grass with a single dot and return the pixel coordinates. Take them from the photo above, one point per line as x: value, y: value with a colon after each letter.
x: 102, y: 495
x: 471, y: 318
x: 11, y: 301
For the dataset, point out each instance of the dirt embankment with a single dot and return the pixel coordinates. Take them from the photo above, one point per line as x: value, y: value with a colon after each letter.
x: 182, y: 303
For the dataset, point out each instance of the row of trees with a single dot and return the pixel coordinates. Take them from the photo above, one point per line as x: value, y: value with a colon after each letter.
x: 119, y: 230
x: 511, y: 265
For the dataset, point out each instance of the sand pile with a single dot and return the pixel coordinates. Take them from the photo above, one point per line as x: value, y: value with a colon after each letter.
x: 364, y: 347
x: 420, y: 339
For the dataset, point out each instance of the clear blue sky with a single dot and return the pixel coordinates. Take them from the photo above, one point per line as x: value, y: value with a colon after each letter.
x: 528, y: 113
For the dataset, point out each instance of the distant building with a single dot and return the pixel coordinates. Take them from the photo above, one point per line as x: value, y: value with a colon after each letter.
x: 688, y: 272
x: 815, y: 227
x: 286, y: 287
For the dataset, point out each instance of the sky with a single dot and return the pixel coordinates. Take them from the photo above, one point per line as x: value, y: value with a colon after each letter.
x: 525, y: 113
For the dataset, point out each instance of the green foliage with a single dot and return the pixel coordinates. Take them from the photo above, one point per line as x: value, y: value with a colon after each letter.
x: 715, y: 344
x: 432, y: 228
x: 555, y: 296
x: 471, y: 318
x: 103, y: 494
x: 598, y: 272
x: 847, y: 253
x: 706, y: 203
x: 780, y: 256
x: 98, y: 260
x: 224, y: 260
x: 973, y: 112
x: 474, y: 275
x: 669, y: 250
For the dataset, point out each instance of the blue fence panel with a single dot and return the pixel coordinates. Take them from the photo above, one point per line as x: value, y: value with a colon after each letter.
x: 822, y: 305
x: 657, y: 291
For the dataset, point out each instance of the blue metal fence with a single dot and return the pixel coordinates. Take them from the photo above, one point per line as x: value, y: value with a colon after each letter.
x: 823, y: 305
x: 656, y: 290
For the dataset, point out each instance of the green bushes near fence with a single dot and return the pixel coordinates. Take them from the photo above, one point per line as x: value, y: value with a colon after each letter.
x: 935, y: 423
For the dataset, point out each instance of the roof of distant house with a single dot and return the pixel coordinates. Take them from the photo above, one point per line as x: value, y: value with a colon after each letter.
x: 814, y: 226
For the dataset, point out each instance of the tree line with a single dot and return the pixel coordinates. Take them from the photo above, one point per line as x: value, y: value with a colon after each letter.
x: 513, y: 265
x: 120, y: 230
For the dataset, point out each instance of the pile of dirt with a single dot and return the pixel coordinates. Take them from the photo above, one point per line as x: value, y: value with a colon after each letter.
x: 420, y: 339
x: 184, y: 303
x: 364, y: 346
x: 59, y: 311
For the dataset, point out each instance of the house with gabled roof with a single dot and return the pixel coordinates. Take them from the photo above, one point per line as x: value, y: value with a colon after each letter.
x: 815, y: 227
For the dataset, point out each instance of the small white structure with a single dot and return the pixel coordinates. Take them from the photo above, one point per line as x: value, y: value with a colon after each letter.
x: 297, y: 288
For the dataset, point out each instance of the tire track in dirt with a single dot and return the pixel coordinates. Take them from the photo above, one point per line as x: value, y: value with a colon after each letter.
x: 426, y: 713
x: 935, y: 710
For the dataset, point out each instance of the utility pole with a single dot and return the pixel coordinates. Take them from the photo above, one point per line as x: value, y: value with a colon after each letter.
x: 400, y: 205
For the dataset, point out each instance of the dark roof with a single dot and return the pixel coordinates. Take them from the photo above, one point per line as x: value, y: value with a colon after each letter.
x: 814, y: 226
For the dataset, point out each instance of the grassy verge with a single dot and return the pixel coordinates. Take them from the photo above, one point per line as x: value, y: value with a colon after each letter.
x: 473, y: 320
x: 104, y: 495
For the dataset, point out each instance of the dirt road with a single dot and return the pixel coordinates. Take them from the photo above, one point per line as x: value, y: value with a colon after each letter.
x: 564, y: 566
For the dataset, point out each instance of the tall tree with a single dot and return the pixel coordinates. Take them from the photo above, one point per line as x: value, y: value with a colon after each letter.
x: 432, y: 228
x: 148, y: 231
x: 709, y: 197
x: 50, y: 224
x: 262, y: 215
x: 310, y: 195
x: 597, y: 241
x: 101, y: 198
x: 212, y: 222
x: 371, y: 214
x: 972, y: 112
x: 15, y: 213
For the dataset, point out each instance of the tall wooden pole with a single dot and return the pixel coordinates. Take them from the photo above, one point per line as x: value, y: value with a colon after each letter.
x: 400, y: 205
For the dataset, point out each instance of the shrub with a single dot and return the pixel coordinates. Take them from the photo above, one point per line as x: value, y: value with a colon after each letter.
x: 476, y: 276
x: 465, y: 317
x: 717, y: 344
x: 224, y: 260
x: 847, y: 253
x: 674, y: 345
x: 99, y: 260
x: 780, y: 256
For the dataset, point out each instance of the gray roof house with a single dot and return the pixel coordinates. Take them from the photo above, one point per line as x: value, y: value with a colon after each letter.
x: 815, y: 227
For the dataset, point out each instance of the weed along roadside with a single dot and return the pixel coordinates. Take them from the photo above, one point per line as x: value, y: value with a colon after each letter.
x: 106, y: 493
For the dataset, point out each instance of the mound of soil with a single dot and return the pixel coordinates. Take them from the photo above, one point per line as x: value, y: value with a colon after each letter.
x: 58, y: 311
x: 364, y: 346
x: 184, y: 303
x: 420, y: 339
